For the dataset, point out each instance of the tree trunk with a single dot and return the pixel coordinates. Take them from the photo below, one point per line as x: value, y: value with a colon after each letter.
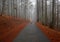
x: 3, y: 7
x: 37, y: 10
x: 57, y: 13
x: 42, y: 11
x: 53, y: 19
x: 45, y: 12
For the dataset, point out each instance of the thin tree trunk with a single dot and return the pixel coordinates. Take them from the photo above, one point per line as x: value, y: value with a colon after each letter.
x: 53, y: 19
x: 57, y: 14
x: 8, y: 8
x: 45, y: 12
x: 42, y: 11
x: 37, y: 10
x: 16, y: 9
x: 25, y: 9
x: 19, y: 8
x: 3, y: 7
x: 12, y: 7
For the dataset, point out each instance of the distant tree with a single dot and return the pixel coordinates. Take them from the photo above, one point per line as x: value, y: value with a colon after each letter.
x: 38, y: 10
x: 16, y: 8
x: 52, y: 23
x: 3, y: 7
x: 45, y: 12
x: 25, y: 8
x: 42, y: 11
x: 57, y: 13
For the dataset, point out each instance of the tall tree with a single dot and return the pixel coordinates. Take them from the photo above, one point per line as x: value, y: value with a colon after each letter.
x: 38, y: 10
x: 12, y: 2
x: 3, y: 7
x: 19, y: 8
x: 25, y: 7
x: 57, y: 13
x: 42, y: 10
x: 45, y: 12
x: 16, y: 8
x: 8, y: 7
x: 53, y: 14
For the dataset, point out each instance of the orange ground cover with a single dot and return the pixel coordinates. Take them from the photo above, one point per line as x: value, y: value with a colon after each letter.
x: 53, y: 35
x: 14, y: 33
x: 10, y: 27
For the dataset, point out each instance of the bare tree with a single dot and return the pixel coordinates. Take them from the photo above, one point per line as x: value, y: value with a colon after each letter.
x: 53, y: 19
x: 42, y: 10
x: 57, y: 13
x: 3, y: 7
x: 12, y: 7
x: 38, y: 10
x: 45, y: 12
x: 16, y: 8
x: 25, y: 7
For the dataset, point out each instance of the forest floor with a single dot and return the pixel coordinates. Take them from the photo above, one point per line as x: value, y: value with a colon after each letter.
x: 53, y: 35
x: 9, y: 27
